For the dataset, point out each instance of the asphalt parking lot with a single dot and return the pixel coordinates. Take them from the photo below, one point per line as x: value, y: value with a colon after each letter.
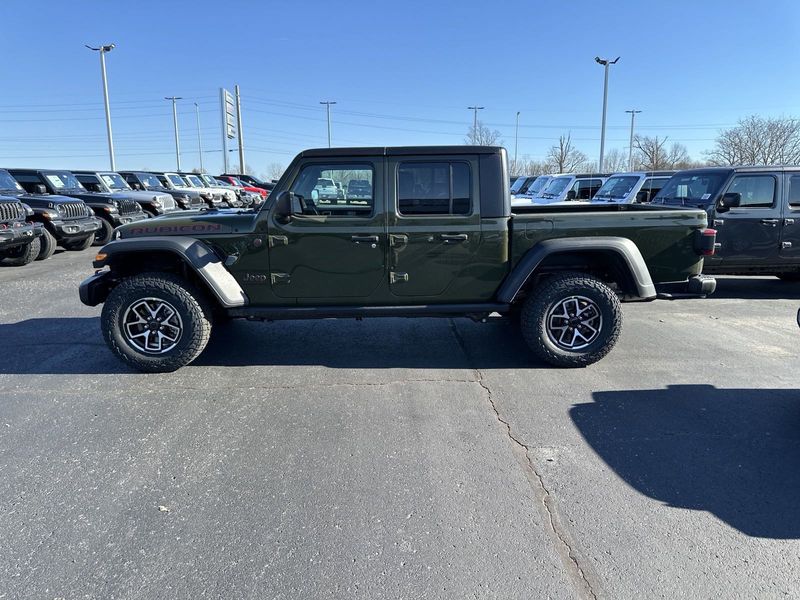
x: 396, y: 458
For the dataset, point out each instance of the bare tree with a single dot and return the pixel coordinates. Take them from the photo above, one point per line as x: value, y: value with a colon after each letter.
x: 525, y: 165
x: 483, y: 136
x: 615, y: 161
x: 275, y: 170
x: 758, y: 141
x: 652, y: 153
x: 563, y: 157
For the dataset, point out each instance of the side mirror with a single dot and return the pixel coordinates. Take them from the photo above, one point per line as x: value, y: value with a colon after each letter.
x: 39, y: 189
x: 571, y: 195
x: 728, y: 201
x: 286, y: 205
x: 136, y: 185
x: 642, y: 196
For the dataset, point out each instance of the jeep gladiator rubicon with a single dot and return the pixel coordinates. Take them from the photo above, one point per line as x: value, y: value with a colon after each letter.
x: 432, y: 235
x: 755, y: 210
x: 141, y: 180
x: 113, y: 210
x: 65, y: 221
x: 19, y: 239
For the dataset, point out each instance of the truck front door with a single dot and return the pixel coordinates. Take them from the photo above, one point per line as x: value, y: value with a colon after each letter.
x: 434, y: 227
x: 750, y: 233
x: 335, y: 251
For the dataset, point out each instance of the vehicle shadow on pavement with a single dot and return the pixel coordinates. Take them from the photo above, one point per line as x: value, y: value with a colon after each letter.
x: 750, y: 288
x: 76, y: 346
x: 732, y: 452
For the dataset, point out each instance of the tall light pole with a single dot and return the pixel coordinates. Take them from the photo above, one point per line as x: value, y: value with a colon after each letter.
x: 516, y: 141
x: 630, y: 146
x: 199, y: 139
x: 175, y: 122
x: 475, y: 110
x: 102, y: 50
x: 327, y: 104
x: 606, y: 63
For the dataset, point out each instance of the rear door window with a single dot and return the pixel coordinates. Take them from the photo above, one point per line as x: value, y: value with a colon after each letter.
x: 434, y: 188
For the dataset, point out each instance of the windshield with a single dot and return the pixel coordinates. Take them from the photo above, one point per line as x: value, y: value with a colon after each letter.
x: 555, y: 186
x: 149, y: 180
x: 617, y: 187
x: 63, y: 180
x: 518, y: 183
x: 691, y: 188
x: 208, y: 179
x: 538, y: 185
x: 7, y: 182
x: 176, y: 180
x: 195, y: 180
x: 114, y: 181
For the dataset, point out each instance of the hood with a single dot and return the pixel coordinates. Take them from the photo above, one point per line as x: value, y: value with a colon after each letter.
x: 201, y: 223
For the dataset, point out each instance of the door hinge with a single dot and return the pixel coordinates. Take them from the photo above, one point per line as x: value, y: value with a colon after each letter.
x: 786, y: 245
x: 280, y: 278
x: 395, y: 277
x: 397, y: 239
x: 278, y: 240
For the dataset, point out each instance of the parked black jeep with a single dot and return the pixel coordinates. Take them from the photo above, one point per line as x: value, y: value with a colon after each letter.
x: 109, y: 182
x: 141, y: 180
x: 19, y: 240
x: 113, y: 210
x: 65, y: 221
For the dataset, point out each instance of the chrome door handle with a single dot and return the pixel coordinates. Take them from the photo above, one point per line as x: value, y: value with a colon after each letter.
x: 770, y: 222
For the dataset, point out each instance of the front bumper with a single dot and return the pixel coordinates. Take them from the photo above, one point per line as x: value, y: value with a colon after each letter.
x: 75, y: 228
x: 94, y: 290
x: 16, y: 236
x: 697, y: 286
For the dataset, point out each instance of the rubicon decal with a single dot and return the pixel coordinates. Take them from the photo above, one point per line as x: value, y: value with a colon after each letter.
x: 162, y: 229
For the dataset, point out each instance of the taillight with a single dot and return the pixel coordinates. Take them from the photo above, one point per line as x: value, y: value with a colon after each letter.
x: 705, y: 242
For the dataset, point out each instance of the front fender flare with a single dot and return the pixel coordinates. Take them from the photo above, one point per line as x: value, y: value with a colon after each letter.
x: 195, y: 253
x: 621, y: 247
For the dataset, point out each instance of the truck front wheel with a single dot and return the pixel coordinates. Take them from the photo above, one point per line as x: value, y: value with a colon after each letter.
x: 571, y: 320
x: 156, y: 322
x: 47, y: 245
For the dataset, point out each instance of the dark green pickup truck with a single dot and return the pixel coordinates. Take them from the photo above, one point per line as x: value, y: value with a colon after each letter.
x: 420, y: 231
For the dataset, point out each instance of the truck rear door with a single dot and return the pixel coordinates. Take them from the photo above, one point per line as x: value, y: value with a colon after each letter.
x: 790, y: 235
x: 434, y: 226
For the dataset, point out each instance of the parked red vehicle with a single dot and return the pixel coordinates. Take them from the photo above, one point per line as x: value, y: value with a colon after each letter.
x: 248, y: 188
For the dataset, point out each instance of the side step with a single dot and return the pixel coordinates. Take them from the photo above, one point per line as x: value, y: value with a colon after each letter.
x: 276, y: 313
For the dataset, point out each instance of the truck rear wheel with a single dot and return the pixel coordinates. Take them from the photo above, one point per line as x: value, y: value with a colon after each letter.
x: 156, y: 322
x: 48, y: 245
x: 21, y: 255
x: 571, y: 320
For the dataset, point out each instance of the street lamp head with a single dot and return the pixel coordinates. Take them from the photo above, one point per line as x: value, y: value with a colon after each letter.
x: 605, y: 61
x: 106, y: 48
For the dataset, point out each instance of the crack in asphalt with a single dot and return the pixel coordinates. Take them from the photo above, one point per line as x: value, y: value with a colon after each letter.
x: 565, y: 547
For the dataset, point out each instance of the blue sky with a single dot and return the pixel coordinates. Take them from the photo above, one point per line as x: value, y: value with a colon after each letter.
x: 400, y: 72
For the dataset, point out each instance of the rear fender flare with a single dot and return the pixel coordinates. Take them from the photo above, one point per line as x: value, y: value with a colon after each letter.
x: 621, y: 247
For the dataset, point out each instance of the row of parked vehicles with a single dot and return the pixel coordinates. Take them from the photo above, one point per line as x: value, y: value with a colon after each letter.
x: 41, y: 209
x: 755, y: 210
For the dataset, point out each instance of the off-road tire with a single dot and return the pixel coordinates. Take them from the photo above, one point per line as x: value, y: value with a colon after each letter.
x: 21, y: 255
x: 189, y: 302
x: 48, y: 245
x: 549, y: 296
x: 76, y: 245
x: 105, y: 234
